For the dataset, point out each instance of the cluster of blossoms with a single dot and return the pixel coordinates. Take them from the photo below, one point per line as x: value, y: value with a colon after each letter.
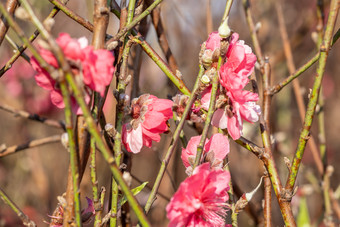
x: 235, y: 103
x: 93, y: 68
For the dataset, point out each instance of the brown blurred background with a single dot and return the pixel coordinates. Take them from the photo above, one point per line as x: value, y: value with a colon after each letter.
x: 34, y: 178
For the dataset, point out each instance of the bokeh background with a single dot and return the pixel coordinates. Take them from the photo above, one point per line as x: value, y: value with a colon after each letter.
x: 34, y: 178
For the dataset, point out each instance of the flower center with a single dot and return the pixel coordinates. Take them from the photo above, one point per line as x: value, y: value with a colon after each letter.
x: 135, y: 112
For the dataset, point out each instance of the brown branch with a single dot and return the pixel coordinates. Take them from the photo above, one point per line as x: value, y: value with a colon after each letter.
x: 33, y: 143
x: 296, y: 84
x: 268, y: 158
x: 34, y: 117
x: 267, y: 209
x: 10, y: 7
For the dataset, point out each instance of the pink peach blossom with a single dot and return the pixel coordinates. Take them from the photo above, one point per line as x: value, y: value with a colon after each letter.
x: 95, y: 66
x: 149, y: 120
x: 218, y: 145
x: 201, y: 199
x: 98, y: 69
x: 239, y: 65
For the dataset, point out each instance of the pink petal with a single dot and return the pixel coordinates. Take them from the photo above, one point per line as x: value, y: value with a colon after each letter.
x: 219, y: 144
x: 220, y: 119
x: 133, y: 139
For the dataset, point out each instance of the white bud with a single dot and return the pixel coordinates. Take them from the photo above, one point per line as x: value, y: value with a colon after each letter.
x: 127, y: 177
x: 205, y: 79
x: 112, y: 45
x: 21, y: 13
x: 49, y: 23
x: 64, y: 140
x: 224, y: 30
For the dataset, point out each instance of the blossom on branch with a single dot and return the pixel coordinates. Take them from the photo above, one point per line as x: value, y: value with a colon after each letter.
x: 201, y: 199
x: 239, y: 65
x: 149, y: 119
x: 93, y: 68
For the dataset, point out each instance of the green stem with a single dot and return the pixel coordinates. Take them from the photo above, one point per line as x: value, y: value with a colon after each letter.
x: 227, y: 9
x: 73, y: 151
x: 131, y: 10
x: 174, y: 141
x: 304, y: 135
x: 106, y: 152
x: 97, y: 205
x: 211, y: 111
x: 93, y: 172
x: 24, y: 218
x: 163, y: 66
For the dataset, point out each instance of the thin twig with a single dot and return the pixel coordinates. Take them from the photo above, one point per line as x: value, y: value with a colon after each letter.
x: 304, y: 135
x: 24, y: 218
x: 34, y: 117
x: 31, y: 144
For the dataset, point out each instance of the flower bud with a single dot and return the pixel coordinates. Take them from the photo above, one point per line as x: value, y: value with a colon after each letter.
x: 205, y: 79
x: 224, y: 30
x: 21, y: 13
x: 64, y: 140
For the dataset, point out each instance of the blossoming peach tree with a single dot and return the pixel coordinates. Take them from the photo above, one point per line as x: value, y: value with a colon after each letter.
x: 78, y: 76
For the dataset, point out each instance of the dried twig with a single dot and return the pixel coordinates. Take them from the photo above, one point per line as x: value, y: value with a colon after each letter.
x: 4, y: 151
x: 34, y: 117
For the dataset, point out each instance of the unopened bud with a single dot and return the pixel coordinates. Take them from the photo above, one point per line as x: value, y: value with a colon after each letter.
x: 250, y: 195
x: 112, y: 45
x: 49, y: 23
x: 127, y: 177
x: 224, y: 30
x: 111, y: 131
x: 21, y: 13
x: 64, y: 140
x: 205, y: 79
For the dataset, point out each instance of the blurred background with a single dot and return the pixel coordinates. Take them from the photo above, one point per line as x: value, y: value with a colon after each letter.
x: 33, y: 178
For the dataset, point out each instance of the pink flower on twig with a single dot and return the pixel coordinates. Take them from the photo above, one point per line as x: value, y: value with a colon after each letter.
x: 239, y: 65
x: 149, y: 120
x: 93, y: 67
x: 201, y: 199
x: 215, y: 150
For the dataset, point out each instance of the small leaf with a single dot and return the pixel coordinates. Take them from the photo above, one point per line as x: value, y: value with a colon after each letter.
x: 134, y: 191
